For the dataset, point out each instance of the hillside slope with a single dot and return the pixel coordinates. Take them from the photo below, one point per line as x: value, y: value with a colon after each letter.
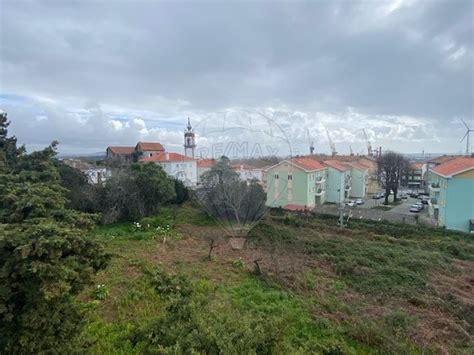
x: 298, y: 286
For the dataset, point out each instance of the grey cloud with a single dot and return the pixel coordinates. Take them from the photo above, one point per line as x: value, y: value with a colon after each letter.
x: 177, y: 58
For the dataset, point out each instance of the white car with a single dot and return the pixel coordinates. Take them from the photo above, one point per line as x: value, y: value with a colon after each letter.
x: 415, y: 208
x: 359, y: 201
x: 420, y: 205
x: 350, y: 203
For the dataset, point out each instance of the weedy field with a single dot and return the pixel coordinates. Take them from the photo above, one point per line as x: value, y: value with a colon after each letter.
x: 300, y: 285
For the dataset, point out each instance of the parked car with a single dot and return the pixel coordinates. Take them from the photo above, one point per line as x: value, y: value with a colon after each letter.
x: 414, y: 194
x: 359, y: 201
x: 377, y: 196
x: 420, y: 204
x: 424, y: 201
x: 403, y: 196
x: 415, y: 208
x: 350, y: 203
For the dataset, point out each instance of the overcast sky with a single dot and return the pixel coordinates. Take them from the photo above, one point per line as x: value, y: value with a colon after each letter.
x: 98, y: 73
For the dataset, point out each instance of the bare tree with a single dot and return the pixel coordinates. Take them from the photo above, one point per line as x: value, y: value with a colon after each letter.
x: 391, y: 167
x: 236, y: 204
x: 213, y: 244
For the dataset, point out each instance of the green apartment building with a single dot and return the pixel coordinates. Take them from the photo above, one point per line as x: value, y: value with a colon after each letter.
x: 297, y: 182
x: 303, y: 183
x: 345, y: 180
x: 451, y: 186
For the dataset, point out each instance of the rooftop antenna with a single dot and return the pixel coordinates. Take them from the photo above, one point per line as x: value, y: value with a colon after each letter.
x: 331, y: 144
x: 367, y: 142
x: 310, y: 143
x: 468, y: 133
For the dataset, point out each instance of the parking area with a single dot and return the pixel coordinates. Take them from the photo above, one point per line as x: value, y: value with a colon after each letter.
x: 398, y: 213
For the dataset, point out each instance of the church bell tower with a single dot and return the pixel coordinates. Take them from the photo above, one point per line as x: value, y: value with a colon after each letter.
x: 189, y: 140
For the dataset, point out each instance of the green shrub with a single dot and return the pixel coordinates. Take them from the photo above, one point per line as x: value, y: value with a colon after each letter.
x: 100, y: 292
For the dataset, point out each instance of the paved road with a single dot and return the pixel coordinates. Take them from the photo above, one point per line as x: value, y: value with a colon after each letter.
x: 399, y: 213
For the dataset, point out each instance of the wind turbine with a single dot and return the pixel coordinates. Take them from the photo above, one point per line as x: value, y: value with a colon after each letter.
x: 468, y: 132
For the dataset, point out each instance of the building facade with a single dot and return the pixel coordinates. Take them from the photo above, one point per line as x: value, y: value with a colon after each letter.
x: 177, y: 166
x: 359, y: 180
x: 203, y: 166
x: 451, y: 188
x: 118, y: 156
x: 247, y: 172
x: 339, y: 181
x: 412, y: 178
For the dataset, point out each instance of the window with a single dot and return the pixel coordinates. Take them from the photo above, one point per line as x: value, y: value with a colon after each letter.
x: 290, y: 177
x: 276, y: 176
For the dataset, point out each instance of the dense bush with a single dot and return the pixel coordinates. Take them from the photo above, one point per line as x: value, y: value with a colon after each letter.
x: 80, y: 195
x: 248, y: 319
x: 136, y: 192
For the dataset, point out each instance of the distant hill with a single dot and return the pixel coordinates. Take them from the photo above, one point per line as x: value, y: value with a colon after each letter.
x: 83, y: 157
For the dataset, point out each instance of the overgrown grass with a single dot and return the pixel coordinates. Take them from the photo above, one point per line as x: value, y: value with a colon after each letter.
x: 229, y: 308
x: 376, y: 258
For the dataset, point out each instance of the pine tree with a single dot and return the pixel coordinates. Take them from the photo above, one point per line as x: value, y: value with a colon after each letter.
x: 45, y: 259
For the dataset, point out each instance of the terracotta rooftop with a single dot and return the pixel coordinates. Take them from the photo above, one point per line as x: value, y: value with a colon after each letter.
x: 292, y: 207
x: 121, y: 150
x: 357, y: 165
x: 336, y: 165
x: 167, y: 157
x: 307, y: 164
x: 205, y: 163
x: 345, y: 158
x: 443, y: 158
x: 454, y: 166
x: 416, y: 165
x: 145, y: 146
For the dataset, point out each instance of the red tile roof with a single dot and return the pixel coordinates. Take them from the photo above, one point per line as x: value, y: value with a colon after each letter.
x: 122, y: 150
x: 416, y: 165
x: 205, y: 163
x: 307, y: 164
x: 292, y: 207
x: 443, y: 158
x: 454, y: 166
x: 144, y: 146
x: 336, y: 165
x: 358, y: 165
x: 167, y: 157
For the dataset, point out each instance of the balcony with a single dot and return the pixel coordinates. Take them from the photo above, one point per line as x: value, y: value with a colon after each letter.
x: 435, y: 187
x: 320, y: 192
x: 433, y: 203
x: 320, y: 180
